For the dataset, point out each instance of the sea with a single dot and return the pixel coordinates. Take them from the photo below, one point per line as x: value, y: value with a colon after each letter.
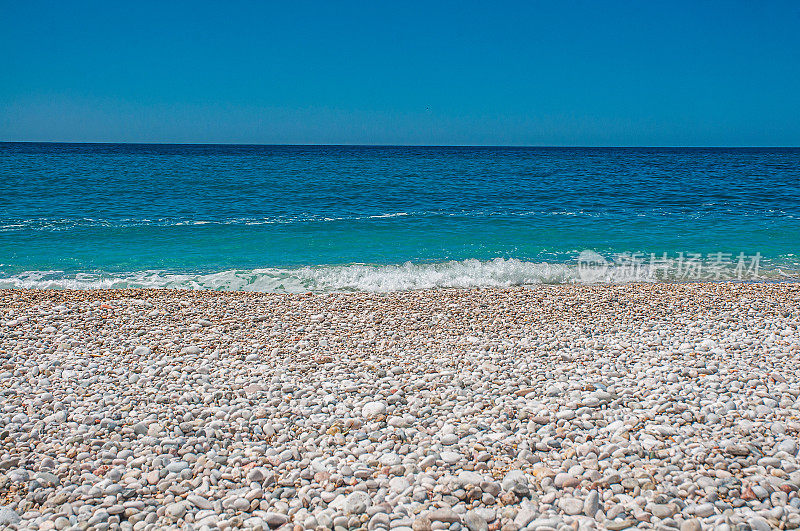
x: 300, y: 219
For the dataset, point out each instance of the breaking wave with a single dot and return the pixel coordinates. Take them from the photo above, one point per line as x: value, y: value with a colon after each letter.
x: 353, y: 277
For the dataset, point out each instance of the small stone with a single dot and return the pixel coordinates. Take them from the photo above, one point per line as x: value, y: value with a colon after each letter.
x: 390, y: 459
x: 789, y: 446
x: 177, y: 466
x: 378, y: 521
x: 757, y: 523
x: 475, y: 522
x: 571, y: 506
x: 176, y: 510
x: 591, y: 504
x: 545, y: 523
x: 199, y: 502
x: 524, y: 517
x: 466, y: 477
x: 565, y: 414
x: 398, y: 484
x: 451, y: 458
x: 738, y: 450
x: 443, y: 515
x: 423, y: 523
x: 274, y: 519
x: 491, y: 487
x: 692, y: 524
x: 704, y: 510
x: 8, y: 517
x: 449, y: 439
x: 357, y: 502
x: 373, y: 409
x: 48, y: 479
x: 517, y: 482
x: 509, y: 498
x: 663, y: 510
x: 564, y: 479
x: 255, y: 522
x: 257, y: 474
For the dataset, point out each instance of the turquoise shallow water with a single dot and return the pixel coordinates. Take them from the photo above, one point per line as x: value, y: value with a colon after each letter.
x: 295, y: 218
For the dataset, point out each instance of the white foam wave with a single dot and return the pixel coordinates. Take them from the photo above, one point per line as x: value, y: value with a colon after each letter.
x: 352, y: 277
x: 393, y: 215
x: 61, y: 224
x: 66, y: 224
x: 337, y: 278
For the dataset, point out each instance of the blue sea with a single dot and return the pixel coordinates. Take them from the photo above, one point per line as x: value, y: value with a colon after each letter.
x: 352, y: 218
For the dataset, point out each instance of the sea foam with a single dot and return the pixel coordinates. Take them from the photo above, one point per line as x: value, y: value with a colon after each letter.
x: 337, y: 278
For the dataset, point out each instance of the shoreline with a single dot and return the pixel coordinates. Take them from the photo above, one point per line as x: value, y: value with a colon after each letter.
x: 787, y: 280
x: 498, y: 273
x: 670, y: 405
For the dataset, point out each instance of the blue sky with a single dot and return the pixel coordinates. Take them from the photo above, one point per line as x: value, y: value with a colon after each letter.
x: 339, y: 72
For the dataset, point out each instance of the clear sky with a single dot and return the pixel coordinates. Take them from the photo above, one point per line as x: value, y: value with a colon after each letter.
x: 643, y: 72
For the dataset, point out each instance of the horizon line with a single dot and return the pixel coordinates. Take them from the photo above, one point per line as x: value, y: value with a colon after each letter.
x: 547, y: 146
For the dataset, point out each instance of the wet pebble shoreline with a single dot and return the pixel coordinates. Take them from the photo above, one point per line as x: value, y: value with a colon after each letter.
x: 550, y: 407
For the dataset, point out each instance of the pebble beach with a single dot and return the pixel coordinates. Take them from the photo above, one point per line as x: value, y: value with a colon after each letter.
x: 666, y: 406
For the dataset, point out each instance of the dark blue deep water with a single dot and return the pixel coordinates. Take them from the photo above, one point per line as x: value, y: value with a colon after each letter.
x: 298, y: 218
